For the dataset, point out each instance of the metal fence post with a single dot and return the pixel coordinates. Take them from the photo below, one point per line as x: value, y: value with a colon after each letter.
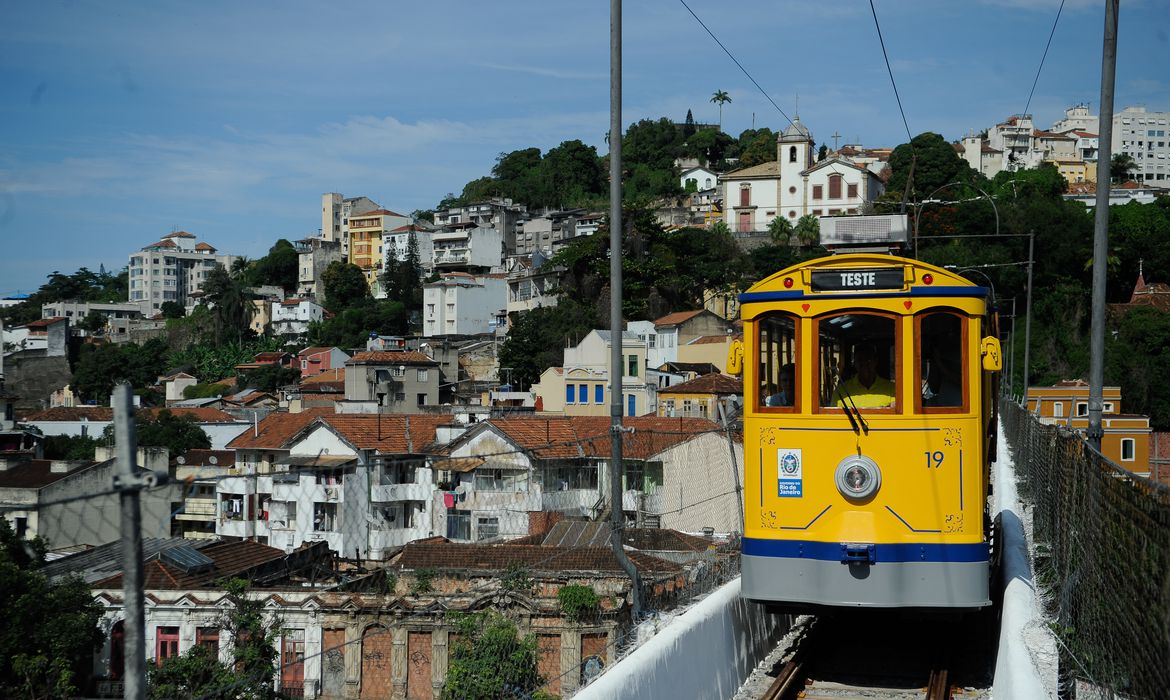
x: 127, y: 483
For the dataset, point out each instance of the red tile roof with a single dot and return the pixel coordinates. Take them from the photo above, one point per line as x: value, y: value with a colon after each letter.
x: 709, y: 339
x: 179, y: 234
x: 497, y: 557
x: 329, y: 376
x: 37, y: 473
x: 230, y: 558
x: 204, y: 246
x: 314, y: 350
x: 276, y: 428
x: 73, y: 413
x: 199, y: 415
x: 44, y: 322
x: 376, y: 212
x: 676, y: 318
x: 713, y: 383
x: 388, y: 434
x: 405, y: 357
x: 163, y: 244
x: 589, y: 436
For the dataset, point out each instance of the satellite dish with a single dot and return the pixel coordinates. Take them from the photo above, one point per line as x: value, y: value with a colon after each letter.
x: 213, y: 460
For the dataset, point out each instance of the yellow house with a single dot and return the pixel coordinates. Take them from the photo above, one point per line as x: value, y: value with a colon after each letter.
x: 365, y: 241
x: 1126, y: 441
x: 582, y: 388
x: 707, y: 348
x: 698, y: 398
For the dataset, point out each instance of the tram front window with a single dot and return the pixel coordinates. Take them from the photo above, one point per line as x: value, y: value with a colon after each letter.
x: 942, y: 338
x: 777, y: 378
x: 857, y: 354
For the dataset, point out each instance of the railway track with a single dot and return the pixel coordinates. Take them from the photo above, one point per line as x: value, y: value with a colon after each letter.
x: 867, y: 656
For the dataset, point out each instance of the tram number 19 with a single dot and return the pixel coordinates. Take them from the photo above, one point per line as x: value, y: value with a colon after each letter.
x: 934, y: 459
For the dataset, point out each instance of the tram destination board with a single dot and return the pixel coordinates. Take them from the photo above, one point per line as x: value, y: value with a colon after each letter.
x: 857, y: 279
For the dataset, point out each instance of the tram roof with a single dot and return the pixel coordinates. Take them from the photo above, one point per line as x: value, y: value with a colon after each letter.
x: 918, y: 278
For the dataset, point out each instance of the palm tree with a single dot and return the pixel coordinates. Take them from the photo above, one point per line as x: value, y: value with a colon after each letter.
x: 1121, y: 166
x: 720, y: 97
x: 807, y: 230
x: 781, y: 230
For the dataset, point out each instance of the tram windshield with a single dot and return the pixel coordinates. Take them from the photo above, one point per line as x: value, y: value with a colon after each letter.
x: 856, y: 354
x: 777, y: 376
x: 942, y: 364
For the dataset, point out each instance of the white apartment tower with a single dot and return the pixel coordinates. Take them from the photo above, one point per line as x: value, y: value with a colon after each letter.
x: 171, y: 270
x: 1145, y: 137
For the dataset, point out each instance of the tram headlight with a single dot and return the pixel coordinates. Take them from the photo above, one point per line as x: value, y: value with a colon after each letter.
x: 858, y: 477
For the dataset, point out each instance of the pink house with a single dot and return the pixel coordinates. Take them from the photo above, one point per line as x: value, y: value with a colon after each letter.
x: 315, y: 360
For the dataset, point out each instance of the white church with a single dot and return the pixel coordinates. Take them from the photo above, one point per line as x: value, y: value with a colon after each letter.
x: 795, y: 184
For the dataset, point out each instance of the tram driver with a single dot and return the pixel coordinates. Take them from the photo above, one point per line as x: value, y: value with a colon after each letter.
x: 866, y: 388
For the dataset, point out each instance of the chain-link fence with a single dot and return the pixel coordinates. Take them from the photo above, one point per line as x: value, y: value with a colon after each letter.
x: 378, y: 556
x: 1102, y: 558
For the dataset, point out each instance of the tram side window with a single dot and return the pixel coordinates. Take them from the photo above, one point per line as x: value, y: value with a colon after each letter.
x: 777, y: 377
x: 942, y: 361
x: 856, y: 354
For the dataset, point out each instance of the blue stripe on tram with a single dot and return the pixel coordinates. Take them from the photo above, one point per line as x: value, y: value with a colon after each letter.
x: 834, y: 551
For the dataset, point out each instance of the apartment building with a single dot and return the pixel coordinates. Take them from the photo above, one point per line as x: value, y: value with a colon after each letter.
x: 118, y: 316
x: 468, y: 247
x: 1145, y: 137
x: 581, y: 387
x: 173, y: 269
x: 462, y: 304
x: 314, y: 255
x: 500, y: 214
x: 396, y: 245
x: 336, y: 211
x: 366, y: 233
x: 392, y: 382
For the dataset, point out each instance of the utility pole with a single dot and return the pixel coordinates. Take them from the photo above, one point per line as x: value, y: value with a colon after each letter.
x: 616, y: 373
x: 128, y: 484
x: 1101, y: 228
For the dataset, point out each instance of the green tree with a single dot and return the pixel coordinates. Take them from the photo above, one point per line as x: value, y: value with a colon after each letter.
x: 721, y: 98
x: 352, y: 327
x: 50, y: 628
x: 780, y: 229
x: 69, y: 447
x: 402, y: 279
x: 197, y: 674
x: 268, y: 378
x: 689, y: 125
x: 935, y: 163
x: 99, y: 367
x: 204, y: 391
x: 756, y: 146
x: 490, y: 660
x: 94, y: 322
x: 83, y: 285
x: 176, y: 433
x: 344, y: 285
x: 1121, y: 167
x: 278, y: 268
x: 537, y: 336
x: 807, y: 230
x: 822, y: 152
x: 172, y: 309
x: 231, y: 304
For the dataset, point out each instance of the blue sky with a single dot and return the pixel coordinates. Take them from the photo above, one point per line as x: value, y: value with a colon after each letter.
x: 121, y: 121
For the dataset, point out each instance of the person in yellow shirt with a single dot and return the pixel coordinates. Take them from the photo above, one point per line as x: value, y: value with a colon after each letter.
x: 865, y: 389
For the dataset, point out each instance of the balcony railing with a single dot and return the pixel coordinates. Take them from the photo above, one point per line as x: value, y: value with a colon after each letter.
x: 388, y: 493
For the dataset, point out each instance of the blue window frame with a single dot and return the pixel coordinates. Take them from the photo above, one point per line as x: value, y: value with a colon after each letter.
x: 599, y: 393
x: 583, y: 393
x: 569, y: 395
x: 629, y: 404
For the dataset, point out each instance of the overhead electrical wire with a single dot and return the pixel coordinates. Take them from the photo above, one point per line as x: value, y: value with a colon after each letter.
x: 737, y: 63
x: 1043, y: 57
x: 890, y: 70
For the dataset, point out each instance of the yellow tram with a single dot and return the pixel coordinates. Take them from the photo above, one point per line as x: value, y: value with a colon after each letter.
x: 869, y: 390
